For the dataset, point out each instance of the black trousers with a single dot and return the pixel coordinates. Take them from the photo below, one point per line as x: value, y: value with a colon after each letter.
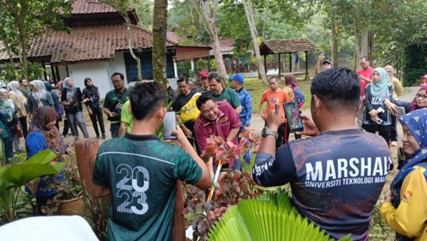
x: 383, y: 130
x: 24, y: 127
x: 281, y: 137
x: 393, y: 130
x: 95, y: 118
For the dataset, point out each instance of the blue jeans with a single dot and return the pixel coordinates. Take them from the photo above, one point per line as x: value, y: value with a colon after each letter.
x: 74, y: 120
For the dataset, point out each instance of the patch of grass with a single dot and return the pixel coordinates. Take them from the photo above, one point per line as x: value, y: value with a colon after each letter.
x: 256, y: 87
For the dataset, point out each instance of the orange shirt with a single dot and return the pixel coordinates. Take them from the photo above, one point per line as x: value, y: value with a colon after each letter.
x: 272, y: 98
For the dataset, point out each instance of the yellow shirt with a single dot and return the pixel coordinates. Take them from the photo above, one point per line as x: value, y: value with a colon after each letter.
x: 409, y: 219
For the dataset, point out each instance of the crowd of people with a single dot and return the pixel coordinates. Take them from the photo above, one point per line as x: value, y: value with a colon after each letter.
x: 336, y: 177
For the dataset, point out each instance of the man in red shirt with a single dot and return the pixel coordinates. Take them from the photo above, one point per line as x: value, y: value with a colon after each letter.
x: 216, y: 119
x: 365, y: 75
x: 274, y: 95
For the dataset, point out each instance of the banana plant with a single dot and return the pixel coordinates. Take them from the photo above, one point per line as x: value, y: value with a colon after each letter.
x: 269, y: 217
x: 13, y: 177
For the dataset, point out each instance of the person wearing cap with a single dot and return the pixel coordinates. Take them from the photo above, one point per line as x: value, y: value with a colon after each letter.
x: 203, y: 78
x: 219, y: 92
x: 327, y: 64
x: 237, y: 82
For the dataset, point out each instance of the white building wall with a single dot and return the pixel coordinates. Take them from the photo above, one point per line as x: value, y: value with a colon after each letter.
x: 99, y: 71
x: 96, y: 70
x: 62, y: 72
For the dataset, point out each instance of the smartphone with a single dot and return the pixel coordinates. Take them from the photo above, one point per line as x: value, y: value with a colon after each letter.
x: 169, y: 124
x: 293, y: 116
x: 400, y: 111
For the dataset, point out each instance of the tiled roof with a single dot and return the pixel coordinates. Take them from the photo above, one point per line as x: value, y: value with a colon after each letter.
x: 226, y: 44
x: 91, y: 6
x: 172, y: 36
x: 88, y: 43
x: 286, y: 46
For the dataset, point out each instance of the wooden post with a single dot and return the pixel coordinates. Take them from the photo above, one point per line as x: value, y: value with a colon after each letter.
x: 265, y: 65
x: 307, y: 78
x: 86, y: 151
x: 55, y: 80
x: 178, y: 228
x: 280, y: 67
x: 290, y: 62
x: 44, y: 72
x: 58, y: 76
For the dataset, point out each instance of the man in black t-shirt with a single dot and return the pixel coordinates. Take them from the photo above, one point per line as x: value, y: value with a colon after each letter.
x: 185, y: 106
x: 337, y: 176
x: 114, y: 101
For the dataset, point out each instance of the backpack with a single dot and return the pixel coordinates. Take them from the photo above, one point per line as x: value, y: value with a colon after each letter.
x: 299, y: 97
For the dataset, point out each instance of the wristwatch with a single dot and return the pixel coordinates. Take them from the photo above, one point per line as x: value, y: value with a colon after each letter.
x: 267, y: 131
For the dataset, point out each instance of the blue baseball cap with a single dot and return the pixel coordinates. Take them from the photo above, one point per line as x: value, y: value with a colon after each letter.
x: 237, y: 77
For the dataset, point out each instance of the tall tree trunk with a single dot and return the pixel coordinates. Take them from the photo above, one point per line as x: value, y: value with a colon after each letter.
x: 371, y: 45
x: 209, y: 17
x: 251, y: 22
x: 130, y: 47
x: 23, y: 55
x: 364, y: 51
x: 358, y: 43
x: 264, y: 25
x: 160, y: 17
x: 335, y: 41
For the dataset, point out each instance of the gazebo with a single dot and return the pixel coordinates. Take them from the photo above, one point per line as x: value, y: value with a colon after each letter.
x: 289, y: 46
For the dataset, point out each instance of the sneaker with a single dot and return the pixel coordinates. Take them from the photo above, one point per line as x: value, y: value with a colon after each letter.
x: 393, y: 143
x: 104, y: 137
x: 97, y: 136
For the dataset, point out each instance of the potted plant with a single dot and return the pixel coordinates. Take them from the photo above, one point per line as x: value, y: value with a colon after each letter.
x: 68, y: 200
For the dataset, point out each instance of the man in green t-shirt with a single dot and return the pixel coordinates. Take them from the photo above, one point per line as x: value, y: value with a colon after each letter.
x: 141, y: 171
x: 220, y: 92
x: 114, y: 101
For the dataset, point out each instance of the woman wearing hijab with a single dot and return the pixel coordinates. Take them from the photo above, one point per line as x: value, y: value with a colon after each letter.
x: 44, y: 135
x: 377, y: 116
x: 423, y: 80
x: 38, y: 97
x: 405, y: 210
x: 419, y: 101
x: 21, y: 102
x: 71, y: 99
x: 91, y: 99
x: 8, y: 126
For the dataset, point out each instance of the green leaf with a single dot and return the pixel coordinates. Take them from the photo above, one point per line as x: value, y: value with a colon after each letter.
x: 270, y: 217
x: 43, y: 157
x: 21, y: 174
x: 38, y: 165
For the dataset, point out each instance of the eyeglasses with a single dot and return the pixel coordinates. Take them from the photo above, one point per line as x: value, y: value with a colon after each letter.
x: 421, y: 96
